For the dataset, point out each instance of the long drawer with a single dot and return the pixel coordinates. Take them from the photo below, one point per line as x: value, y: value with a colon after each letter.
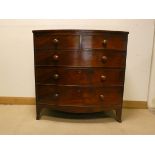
x: 93, y: 58
x: 79, y: 96
x: 79, y: 76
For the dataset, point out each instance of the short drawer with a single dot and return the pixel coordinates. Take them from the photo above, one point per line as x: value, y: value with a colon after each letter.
x: 80, y: 76
x: 105, y: 40
x: 49, y: 41
x: 101, y: 58
x: 79, y: 96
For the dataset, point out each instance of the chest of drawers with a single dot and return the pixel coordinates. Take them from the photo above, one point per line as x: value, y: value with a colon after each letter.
x: 80, y: 71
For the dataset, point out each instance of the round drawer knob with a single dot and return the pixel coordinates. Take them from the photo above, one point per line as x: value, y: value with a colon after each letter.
x: 55, y: 41
x: 55, y: 57
x: 104, y: 59
x: 102, y: 97
x: 103, y: 77
x: 104, y: 42
x: 56, y: 76
x: 79, y: 71
x: 79, y: 90
x: 56, y: 95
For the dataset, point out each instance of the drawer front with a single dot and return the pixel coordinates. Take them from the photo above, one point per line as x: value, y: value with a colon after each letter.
x: 109, y: 41
x: 84, y: 59
x: 49, y: 41
x: 79, y: 76
x: 79, y: 96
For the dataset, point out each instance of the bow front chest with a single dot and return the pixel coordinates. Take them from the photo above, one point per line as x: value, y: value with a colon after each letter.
x: 80, y: 71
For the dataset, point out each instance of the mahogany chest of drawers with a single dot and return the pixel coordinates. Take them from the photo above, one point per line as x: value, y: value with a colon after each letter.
x: 80, y: 71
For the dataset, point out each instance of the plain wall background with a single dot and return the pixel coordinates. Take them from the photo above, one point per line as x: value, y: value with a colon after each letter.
x: 17, y: 59
x: 151, y: 93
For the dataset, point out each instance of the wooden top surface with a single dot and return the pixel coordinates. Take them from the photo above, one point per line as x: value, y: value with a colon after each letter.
x: 78, y: 30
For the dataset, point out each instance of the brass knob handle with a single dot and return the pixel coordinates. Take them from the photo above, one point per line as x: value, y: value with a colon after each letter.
x: 102, y: 97
x: 103, y: 77
x: 56, y: 76
x: 55, y: 41
x: 55, y: 57
x: 104, y: 59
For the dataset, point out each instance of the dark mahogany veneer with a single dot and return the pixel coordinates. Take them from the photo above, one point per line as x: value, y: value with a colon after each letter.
x: 80, y: 71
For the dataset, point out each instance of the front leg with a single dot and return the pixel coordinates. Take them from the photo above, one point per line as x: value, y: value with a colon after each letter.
x: 38, y: 112
x: 119, y: 115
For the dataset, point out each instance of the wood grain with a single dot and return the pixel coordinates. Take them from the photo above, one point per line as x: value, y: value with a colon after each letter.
x: 92, y: 55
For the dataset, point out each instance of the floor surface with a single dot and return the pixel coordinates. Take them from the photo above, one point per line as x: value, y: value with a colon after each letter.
x: 20, y: 119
